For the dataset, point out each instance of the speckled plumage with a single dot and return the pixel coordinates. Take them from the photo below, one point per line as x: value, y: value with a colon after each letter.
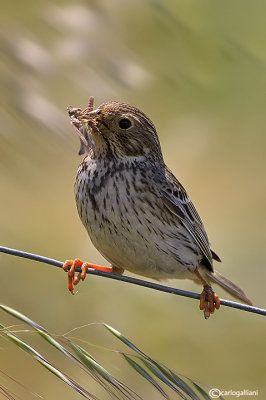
x: 118, y: 204
x: 136, y: 212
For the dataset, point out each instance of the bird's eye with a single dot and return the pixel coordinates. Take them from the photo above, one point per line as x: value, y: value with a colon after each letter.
x: 125, y: 123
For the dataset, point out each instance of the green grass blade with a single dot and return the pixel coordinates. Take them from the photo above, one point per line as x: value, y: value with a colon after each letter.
x: 202, y: 391
x: 180, y: 383
x: 42, y: 331
x: 39, y: 329
x: 87, y: 362
x: 93, y: 365
x: 125, y: 341
x: 22, y: 317
x: 169, y: 376
x: 44, y: 362
x: 159, y: 375
x: 137, y: 367
x: 95, y: 369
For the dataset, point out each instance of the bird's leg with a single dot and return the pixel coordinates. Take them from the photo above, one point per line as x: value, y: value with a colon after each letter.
x: 208, y: 299
x: 74, y: 280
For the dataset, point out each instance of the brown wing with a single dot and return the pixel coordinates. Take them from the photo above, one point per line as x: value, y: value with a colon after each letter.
x: 177, y: 201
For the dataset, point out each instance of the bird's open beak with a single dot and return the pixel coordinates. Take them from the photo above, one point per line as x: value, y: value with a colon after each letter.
x: 85, y: 122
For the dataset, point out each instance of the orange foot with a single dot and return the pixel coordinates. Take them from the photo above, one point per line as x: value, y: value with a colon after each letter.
x: 74, y: 280
x: 209, y: 301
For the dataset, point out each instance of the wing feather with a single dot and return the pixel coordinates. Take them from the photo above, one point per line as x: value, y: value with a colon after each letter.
x: 177, y: 201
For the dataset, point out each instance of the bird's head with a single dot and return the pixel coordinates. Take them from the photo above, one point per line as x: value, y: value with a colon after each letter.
x: 117, y: 130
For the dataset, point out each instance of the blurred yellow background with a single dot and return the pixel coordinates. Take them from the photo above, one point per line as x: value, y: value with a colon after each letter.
x: 197, y: 69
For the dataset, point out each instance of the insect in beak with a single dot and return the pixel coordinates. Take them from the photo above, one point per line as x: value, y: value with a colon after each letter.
x: 92, y: 120
x: 85, y: 122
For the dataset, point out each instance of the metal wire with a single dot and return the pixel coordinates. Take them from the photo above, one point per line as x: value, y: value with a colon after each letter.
x: 134, y: 281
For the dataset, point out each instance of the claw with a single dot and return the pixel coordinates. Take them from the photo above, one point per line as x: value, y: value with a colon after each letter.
x: 77, y: 263
x: 209, y: 301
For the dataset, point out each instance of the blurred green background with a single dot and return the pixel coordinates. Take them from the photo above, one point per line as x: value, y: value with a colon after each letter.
x: 198, y: 70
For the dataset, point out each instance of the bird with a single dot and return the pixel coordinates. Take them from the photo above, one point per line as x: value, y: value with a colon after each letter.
x: 136, y: 212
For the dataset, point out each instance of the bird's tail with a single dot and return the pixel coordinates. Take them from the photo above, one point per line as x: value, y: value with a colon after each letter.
x: 229, y: 286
